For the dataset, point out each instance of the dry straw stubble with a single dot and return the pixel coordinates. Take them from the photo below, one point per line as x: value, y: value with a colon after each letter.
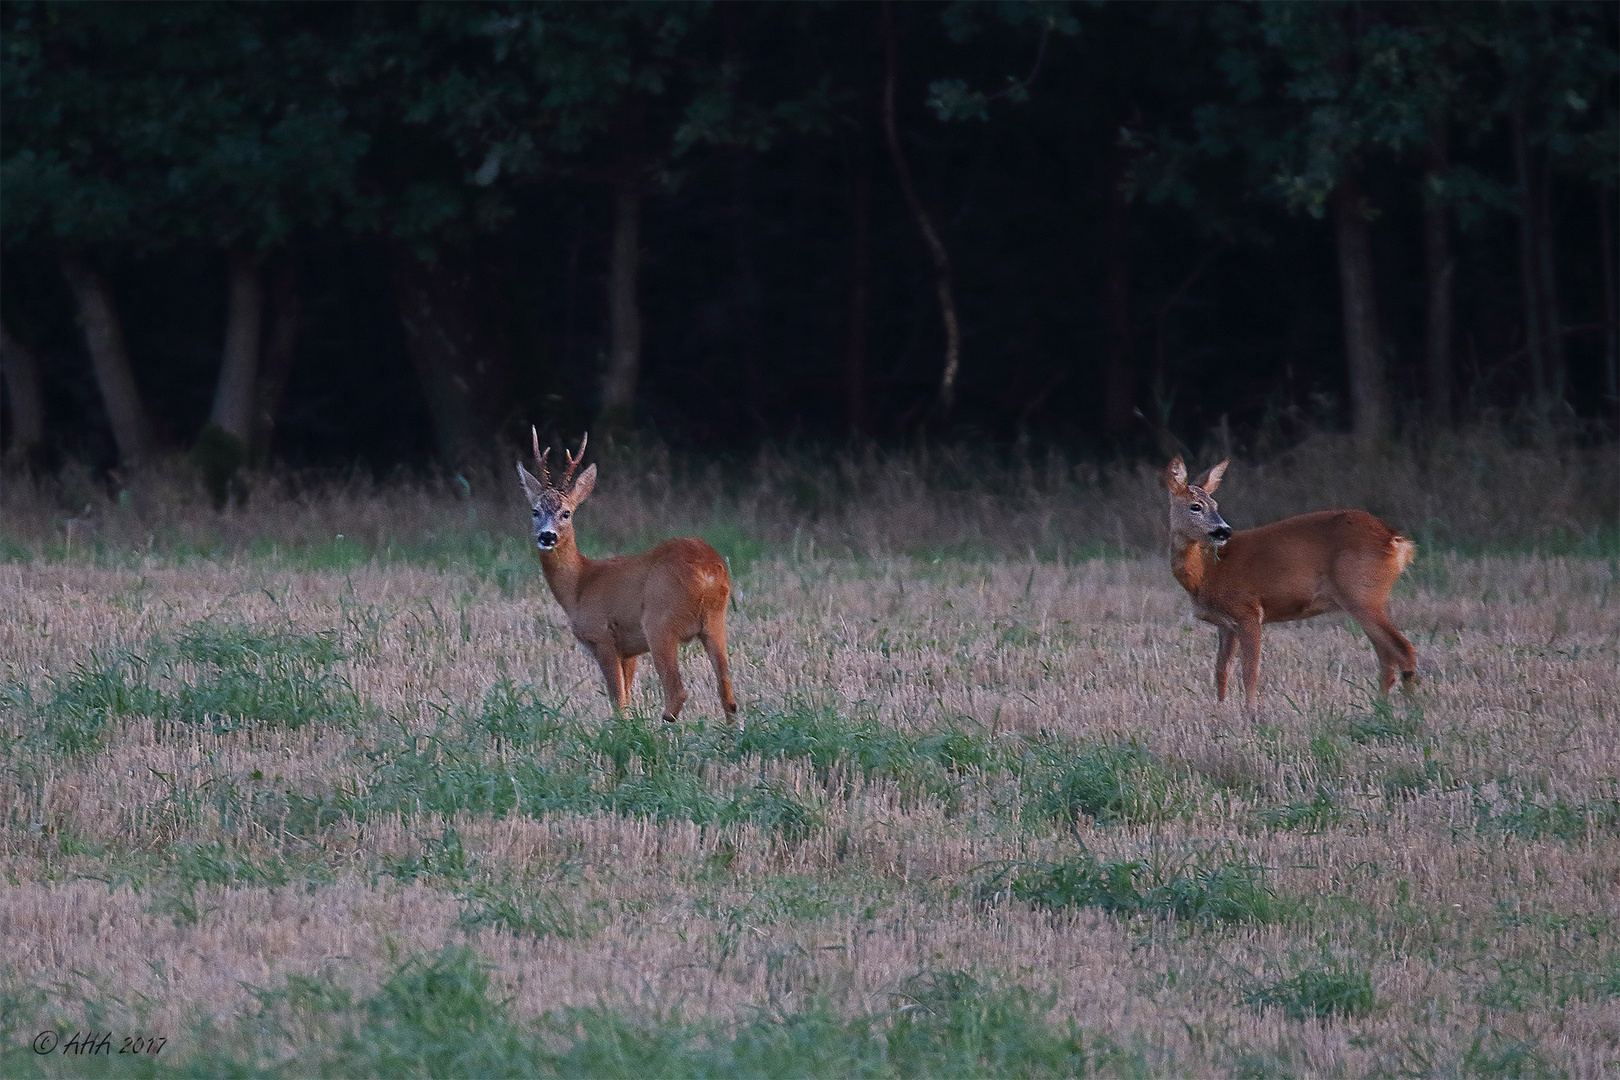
x: 1430, y: 882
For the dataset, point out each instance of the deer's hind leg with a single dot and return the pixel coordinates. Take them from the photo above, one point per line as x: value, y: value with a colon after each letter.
x: 713, y: 636
x: 1394, y: 651
x: 664, y: 645
x: 1248, y: 639
x: 1363, y: 593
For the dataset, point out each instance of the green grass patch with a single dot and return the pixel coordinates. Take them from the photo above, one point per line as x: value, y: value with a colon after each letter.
x: 1381, y: 722
x: 1197, y: 888
x: 1106, y: 784
x: 1491, y: 1054
x: 221, y: 675
x: 522, y: 912
x: 1523, y: 985
x: 1318, y: 992
x: 1320, y: 811
x: 435, y: 1016
x: 629, y: 765
x: 1505, y: 808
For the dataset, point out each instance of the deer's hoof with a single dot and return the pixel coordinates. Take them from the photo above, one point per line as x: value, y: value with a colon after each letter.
x: 668, y: 719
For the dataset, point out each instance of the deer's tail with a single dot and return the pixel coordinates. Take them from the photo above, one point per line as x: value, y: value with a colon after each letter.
x: 1404, y: 550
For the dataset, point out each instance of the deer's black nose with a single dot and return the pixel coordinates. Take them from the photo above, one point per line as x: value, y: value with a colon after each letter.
x: 1221, y: 532
x: 546, y: 539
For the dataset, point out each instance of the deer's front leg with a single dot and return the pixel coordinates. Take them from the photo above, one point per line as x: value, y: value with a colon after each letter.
x: 1223, y: 660
x: 607, y: 657
x: 628, y: 666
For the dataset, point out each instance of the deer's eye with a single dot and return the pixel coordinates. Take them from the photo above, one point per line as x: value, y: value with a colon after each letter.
x: 1195, y: 508
x: 566, y: 514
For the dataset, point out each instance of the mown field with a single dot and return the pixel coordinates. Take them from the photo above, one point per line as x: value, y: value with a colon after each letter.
x: 302, y: 803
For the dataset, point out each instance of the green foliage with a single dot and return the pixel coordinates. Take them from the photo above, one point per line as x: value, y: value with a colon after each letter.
x: 1105, y: 783
x: 1406, y: 779
x: 434, y: 1016
x: 1521, y: 985
x: 951, y: 1020
x: 215, y: 862
x: 1379, y: 722
x: 1319, y: 992
x: 98, y: 691
x: 629, y: 765
x: 238, y: 645
x: 1504, y: 807
x: 773, y: 808
x: 218, y: 455
x: 1492, y: 1054
x: 224, y: 675
x: 1196, y: 889
x: 826, y: 739
x: 515, y: 715
x: 153, y: 124
x: 1314, y: 814
x: 443, y: 859
x: 520, y: 913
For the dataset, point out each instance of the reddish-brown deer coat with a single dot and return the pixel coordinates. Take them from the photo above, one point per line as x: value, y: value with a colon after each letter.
x: 1297, y: 568
x: 622, y: 607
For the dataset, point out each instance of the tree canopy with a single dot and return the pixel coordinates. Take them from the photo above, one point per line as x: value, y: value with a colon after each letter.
x: 722, y: 223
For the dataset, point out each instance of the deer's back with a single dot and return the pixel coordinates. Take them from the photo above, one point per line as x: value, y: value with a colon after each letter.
x: 683, y: 575
x: 1306, y: 565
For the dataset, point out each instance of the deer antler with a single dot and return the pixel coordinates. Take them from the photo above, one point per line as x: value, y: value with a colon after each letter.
x: 573, y: 462
x: 539, y: 458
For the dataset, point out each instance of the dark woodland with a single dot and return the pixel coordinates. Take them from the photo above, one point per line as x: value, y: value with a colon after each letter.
x: 395, y: 235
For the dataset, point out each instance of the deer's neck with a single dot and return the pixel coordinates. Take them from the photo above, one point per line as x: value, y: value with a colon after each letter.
x: 1191, y: 562
x: 564, y: 568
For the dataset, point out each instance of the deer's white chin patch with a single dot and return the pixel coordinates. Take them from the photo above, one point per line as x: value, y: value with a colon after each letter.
x: 544, y: 547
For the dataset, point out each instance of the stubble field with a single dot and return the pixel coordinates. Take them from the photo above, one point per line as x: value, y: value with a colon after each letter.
x: 301, y: 803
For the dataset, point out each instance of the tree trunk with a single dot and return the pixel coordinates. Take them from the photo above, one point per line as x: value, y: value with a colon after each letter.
x: 460, y: 365
x: 1364, y: 358
x: 286, y: 324
x: 1439, y: 271
x: 1535, y: 317
x: 946, y: 396
x: 1119, y: 375
x: 624, y: 303
x: 239, y: 363
x: 860, y: 291
x: 109, y: 357
x: 1552, y: 325
x: 20, y: 367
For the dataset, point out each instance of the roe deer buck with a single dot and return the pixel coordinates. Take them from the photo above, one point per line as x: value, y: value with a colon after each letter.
x: 622, y: 607
x: 1332, y: 560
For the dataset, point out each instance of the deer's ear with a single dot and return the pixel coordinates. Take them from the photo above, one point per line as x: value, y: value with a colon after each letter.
x: 531, y: 487
x: 1212, y: 479
x: 1175, y: 476
x: 582, y: 487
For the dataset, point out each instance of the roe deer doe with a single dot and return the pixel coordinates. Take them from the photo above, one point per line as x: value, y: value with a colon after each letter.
x: 1332, y: 560
x: 622, y: 607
